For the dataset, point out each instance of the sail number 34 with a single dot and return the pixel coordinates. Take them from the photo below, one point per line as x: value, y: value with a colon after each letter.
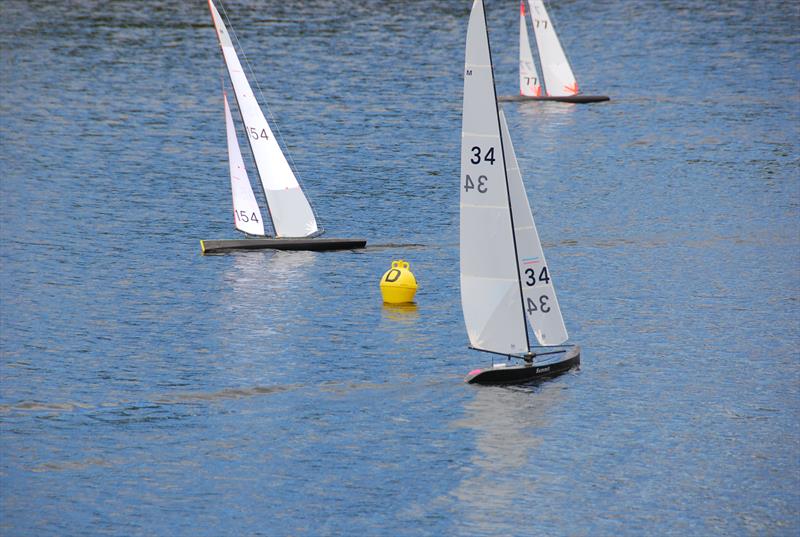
x: 530, y: 281
x: 542, y: 306
x: 480, y: 184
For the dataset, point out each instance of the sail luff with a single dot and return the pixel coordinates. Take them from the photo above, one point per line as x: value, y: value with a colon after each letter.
x: 246, y: 213
x: 528, y: 79
x: 559, y: 81
x: 490, y: 289
x: 289, y: 208
x: 536, y: 280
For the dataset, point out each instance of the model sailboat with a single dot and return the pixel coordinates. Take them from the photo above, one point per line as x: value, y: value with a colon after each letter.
x: 559, y: 81
x: 292, y: 218
x: 504, y: 275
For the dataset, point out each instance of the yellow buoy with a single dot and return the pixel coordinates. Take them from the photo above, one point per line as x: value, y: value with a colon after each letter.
x: 398, y: 284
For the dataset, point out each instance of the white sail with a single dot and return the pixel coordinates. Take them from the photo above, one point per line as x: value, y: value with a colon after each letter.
x: 528, y: 79
x: 539, y: 295
x: 558, y: 78
x: 490, y: 288
x: 290, y: 211
x: 246, y: 213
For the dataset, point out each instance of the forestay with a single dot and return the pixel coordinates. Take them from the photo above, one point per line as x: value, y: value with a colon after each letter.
x: 558, y: 78
x: 528, y: 79
x: 490, y: 288
x: 246, y: 213
x: 539, y: 294
x: 290, y: 211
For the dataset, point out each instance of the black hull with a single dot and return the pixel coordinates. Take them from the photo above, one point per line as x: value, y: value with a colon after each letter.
x: 520, y: 374
x: 315, y: 245
x: 576, y: 99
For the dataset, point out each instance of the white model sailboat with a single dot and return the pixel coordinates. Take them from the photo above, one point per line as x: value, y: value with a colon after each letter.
x: 504, y: 276
x: 557, y: 76
x: 292, y: 218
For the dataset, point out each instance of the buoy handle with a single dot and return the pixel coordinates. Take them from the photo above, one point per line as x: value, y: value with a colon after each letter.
x: 400, y: 264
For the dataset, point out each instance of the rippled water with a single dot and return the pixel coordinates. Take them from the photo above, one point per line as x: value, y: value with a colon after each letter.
x: 148, y: 390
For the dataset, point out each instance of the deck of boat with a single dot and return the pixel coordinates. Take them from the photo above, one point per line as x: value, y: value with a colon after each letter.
x: 316, y: 245
x: 519, y: 374
x: 577, y: 99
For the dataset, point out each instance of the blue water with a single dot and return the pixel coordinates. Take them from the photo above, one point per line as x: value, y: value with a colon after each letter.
x: 146, y: 389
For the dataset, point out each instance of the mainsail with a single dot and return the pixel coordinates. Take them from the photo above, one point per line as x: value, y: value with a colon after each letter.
x: 539, y: 295
x: 246, y: 213
x: 291, y: 213
x: 528, y: 79
x: 558, y: 78
x: 491, y: 298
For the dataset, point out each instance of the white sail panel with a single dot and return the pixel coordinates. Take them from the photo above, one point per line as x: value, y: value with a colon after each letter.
x: 246, y: 213
x: 558, y: 78
x: 539, y: 294
x: 528, y: 79
x: 490, y: 292
x: 290, y: 211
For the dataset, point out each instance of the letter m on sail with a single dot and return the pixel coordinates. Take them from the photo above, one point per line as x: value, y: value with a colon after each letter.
x: 469, y: 72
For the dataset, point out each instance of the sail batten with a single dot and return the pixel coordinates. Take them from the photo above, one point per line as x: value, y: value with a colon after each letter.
x: 289, y: 208
x: 559, y: 81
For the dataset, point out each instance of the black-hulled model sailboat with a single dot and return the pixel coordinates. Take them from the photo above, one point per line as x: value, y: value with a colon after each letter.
x: 504, y: 276
x: 292, y: 218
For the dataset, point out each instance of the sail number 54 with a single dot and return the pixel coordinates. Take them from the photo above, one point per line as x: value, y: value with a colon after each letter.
x: 255, y: 135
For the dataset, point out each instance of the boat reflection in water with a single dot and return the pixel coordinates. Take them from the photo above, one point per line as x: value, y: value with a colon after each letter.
x: 504, y: 422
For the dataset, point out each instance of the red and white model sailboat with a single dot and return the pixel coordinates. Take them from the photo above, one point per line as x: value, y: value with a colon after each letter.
x: 558, y: 81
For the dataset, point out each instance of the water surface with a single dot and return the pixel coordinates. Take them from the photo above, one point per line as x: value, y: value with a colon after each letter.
x: 148, y: 390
